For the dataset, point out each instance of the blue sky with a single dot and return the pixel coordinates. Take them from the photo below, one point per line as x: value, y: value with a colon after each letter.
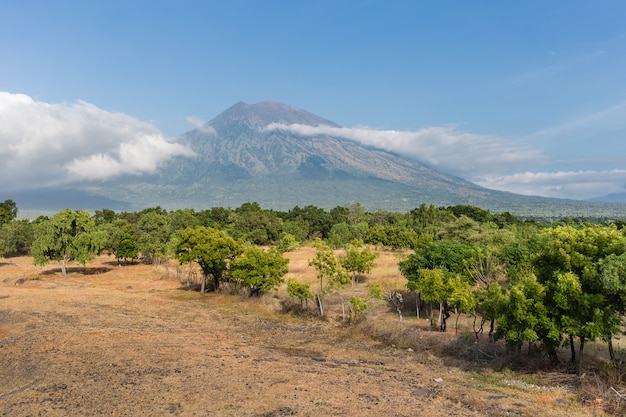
x: 526, y: 96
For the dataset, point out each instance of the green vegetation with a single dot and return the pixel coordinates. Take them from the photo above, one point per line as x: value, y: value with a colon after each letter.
x: 534, y: 285
x: 67, y: 236
x: 211, y: 249
x: 330, y: 273
x: 259, y: 270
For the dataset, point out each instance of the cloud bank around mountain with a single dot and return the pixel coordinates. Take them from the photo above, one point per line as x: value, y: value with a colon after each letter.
x: 580, y: 185
x: 488, y: 161
x: 43, y: 144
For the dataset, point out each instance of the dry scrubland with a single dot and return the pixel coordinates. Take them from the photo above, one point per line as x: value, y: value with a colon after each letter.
x: 131, y: 340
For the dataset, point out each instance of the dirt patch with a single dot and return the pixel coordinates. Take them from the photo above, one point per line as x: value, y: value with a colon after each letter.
x: 126, y: 341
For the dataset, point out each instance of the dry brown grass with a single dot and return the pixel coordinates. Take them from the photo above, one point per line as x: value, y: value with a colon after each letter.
x: 109, y: 340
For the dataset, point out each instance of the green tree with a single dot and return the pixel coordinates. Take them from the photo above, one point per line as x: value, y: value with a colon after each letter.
x: 491, y: 302
x: 216, y: 217
x: 460, y: 297
x: 318, y: 220
x: 300, y: 291
x: 16, y: 238
x: 613, y: 276
x: 467, y: 230
x: 340, y: 234
x: 153, y: 234
x: 569, y: 262
x: 451, y: 257
x: 358, y: 307
x: 8, y: 211
x: 104, y: 216
x: 67, y: 236
x: 433, y: 288
x: 259, y: 270
x: 329, y: 272
x: 359, y: 259
x: 127, y: 248
x: 211, y: 249
x: 182, y: 219
x: 287, y: 243
x: 251, y: 223
x: 525, y: 318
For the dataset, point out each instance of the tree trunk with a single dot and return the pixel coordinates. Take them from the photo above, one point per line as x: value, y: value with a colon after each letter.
x: 611, y: 351
x: 440, y: 314
x: 417, y: 304
x: 64, y: 266
x: 580, y: 355
x: 216, y: 283
x: 320, y: 304
x: 203, y: 285
x: 572, y: 349
x: 430, y: 314
x: 343, y: 310
x: 444, y: 313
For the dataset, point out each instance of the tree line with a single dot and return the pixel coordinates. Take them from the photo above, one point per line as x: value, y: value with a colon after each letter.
x: 526, y: 282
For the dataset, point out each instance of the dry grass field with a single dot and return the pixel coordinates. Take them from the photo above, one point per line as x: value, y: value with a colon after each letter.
x: 131, y: 340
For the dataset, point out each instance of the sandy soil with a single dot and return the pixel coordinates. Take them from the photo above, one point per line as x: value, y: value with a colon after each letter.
x: 126, y: 341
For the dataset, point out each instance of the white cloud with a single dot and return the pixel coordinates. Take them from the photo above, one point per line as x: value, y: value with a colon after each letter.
x: 44, y: 144
x: 485, y: 160
x: 571, y: 184
x: 467, y: 155
x: 200, y: 125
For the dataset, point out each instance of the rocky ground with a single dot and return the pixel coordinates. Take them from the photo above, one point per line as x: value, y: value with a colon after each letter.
x: 127, y: 341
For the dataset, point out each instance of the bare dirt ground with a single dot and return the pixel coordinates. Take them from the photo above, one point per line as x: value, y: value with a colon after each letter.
x: 128, y: 341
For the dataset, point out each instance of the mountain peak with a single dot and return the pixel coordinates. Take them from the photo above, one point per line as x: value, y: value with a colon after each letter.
x: 259, y: 115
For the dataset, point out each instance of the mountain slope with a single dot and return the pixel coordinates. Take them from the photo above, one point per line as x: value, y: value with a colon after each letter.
x: 239, y: 156
x: 239, y: 159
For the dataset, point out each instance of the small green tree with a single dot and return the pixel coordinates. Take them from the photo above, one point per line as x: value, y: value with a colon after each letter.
x: 358, y: 306
x: 128, y: 248
x: 259, y: 270
x: 67, y: 236
x: 288, y: 243
x: 329, y: 272
x: 211, y: 249
x: 433, y: 289
x: 359, y: 259
x: 153, y: 234
x: 491, y: 303
x: 300, y: 291
x: 460, y: 298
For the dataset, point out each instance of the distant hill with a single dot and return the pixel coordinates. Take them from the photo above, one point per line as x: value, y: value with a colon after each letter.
x: 612, y: 198
x: 240, y: 160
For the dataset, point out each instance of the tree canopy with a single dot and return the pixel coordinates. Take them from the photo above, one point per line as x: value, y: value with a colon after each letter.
x: 67, y: 236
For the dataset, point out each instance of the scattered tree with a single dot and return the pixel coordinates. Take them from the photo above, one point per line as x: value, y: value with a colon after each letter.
x: 329, y: 272
x: 359, y: 259
x: 211, y: 249
x: 259, y: 270
x: 67, y: 236
x: 300, y: 291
